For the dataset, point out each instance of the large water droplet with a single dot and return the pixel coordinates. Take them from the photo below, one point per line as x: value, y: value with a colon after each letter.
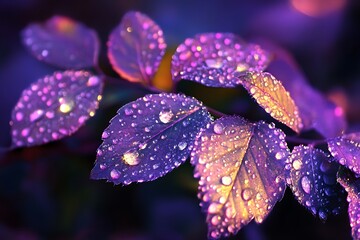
x: 306, y: 184
x: 226, y: 180
x: 35, y: 115
x: 247, y: 194
x: 296, y: 164
x: 165, y: 116
x: 214, y: 63
x: 131, y: 158
x: 218, y: 128
x: 66, y: 105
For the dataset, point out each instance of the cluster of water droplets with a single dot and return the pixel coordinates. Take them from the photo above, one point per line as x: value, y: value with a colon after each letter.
x: 346, y: 151
x: 136, y: 47
x: 55, y: 106
x: 351, y: 183
x: 149, y: 137
x: 313, y: 181
x: 62, y: 42
x: 213, y: 58
x: 241, y: 170
x: 270, y: 94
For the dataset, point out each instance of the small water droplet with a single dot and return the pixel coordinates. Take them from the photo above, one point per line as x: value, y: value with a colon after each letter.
x: 218, y: 128
x: 279, y: 155
x: 296, y: 164
x: 93, y: 81
x: 128, y: 111
x: 182, y: 145
x: 131, y: 158
x: 214, y: 208
x: 114, y: 174
x: 306, y: 184
x: 247, y: 194
x: 19, y: 116
x: 102, y: 166
x: 215, y: 220
x: 35, y: 115
x: 66, y: 105
x: 105, y: 135
x: 165, y: 116
x: 226, y: 180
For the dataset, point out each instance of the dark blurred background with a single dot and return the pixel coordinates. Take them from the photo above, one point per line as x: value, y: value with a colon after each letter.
x: 46, y: 193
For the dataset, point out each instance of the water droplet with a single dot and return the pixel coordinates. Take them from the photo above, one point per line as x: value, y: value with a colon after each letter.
x: 296, y: 164
x: 306, y: 184
x: 128, y: 111
x: 105, y: 135
x: 247, y: 194
x: 114, y: 174
x: 165, y: 116
x: 19, y: 116
x: 25, y: 132
x: 102, y: 166
x: 215, y: 220
x: 131, y: 158
x: 279, y: 155
x: 182, y: 145
x: 218, y: 128
x: 93, y: 81
x: 66, y: 105
x: 214, y: 63
x: 214, y: 208
x: 35, y: 115
x: 226, y: 180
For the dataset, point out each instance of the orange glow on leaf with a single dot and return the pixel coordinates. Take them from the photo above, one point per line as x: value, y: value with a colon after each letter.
x: 271, y: 95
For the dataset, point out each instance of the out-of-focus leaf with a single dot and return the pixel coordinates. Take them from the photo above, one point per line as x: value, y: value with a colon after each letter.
x: 313, y: 181
x: 62, y: 42
x: 149, y: 137
x: 315, y: 110
x: 136, y: 47
x: 270, y: 94
x: 346, y: 150
x: 352, y: 186
x: 212, y: 59
x: 55, y: 106
x: 242, y: 173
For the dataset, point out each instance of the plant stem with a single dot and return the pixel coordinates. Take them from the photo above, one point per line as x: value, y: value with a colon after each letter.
x: 298, y: 140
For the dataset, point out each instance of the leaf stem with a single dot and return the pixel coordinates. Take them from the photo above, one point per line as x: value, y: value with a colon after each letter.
x: 215, y: 112
x: 298, y: 140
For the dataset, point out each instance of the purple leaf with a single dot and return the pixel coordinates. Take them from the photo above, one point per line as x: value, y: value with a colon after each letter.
x: 313, y: 181
x: 55, y: 106
x: 316, y: 111
x: 136, y: 47
x: 212, y: 59
x: 242, y: 173
x: 149, y: 137
x: 346, y: 150
x: 352, y: 186
x: 62, y: 42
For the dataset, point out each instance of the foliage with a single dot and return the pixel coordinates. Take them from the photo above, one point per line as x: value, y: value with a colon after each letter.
x: 243, y: 168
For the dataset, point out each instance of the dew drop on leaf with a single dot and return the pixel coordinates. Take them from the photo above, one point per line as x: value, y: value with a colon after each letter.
x: 153, y: 142
x: 62, y: 42
x: 53, y: 107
